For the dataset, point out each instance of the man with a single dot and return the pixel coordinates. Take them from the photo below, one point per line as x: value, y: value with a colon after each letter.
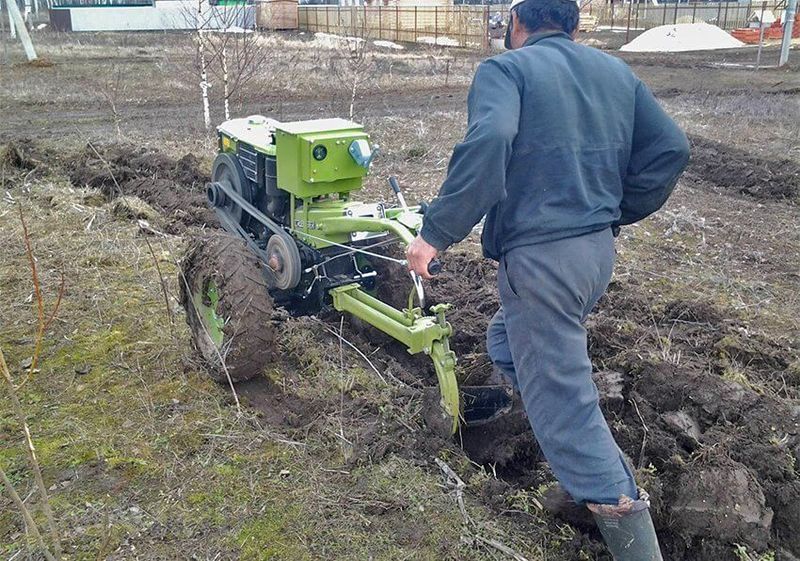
x: 564, y: 145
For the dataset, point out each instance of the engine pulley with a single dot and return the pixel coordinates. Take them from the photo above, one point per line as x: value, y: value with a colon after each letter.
x: 284, y: 260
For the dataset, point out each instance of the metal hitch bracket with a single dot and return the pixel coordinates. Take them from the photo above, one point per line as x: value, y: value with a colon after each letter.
x: 418, y: 332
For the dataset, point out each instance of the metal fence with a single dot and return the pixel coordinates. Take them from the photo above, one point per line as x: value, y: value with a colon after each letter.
x: 468, y: 25
x: 642, y: 15
x: 453, y: 26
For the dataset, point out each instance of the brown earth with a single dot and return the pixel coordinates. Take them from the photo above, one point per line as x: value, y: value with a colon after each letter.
x: 723, y: 470
x: 174, y: 187
x: 743, y: 172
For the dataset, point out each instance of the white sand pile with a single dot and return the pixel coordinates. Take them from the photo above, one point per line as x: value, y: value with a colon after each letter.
x: 388, y: 45
x: 441, y: 41
x: 330, y: 41
x: 682, y: 37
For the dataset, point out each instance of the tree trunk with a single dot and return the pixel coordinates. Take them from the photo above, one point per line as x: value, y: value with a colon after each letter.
x: 225, y: 92
x: 204, y: 86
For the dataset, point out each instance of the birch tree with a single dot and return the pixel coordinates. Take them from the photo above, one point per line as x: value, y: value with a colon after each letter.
x: 197, y: 18
x: 238, y: 51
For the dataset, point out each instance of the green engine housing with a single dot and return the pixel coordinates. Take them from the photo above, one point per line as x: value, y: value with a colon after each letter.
x: 315, y: 158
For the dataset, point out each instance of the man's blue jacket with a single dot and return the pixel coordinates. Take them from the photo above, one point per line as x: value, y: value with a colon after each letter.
x: 562, y: 140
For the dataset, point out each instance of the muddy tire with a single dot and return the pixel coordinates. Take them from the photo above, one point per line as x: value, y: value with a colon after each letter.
x: 228, y: 309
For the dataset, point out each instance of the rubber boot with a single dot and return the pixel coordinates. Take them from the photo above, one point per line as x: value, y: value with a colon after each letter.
x: 628, y: 529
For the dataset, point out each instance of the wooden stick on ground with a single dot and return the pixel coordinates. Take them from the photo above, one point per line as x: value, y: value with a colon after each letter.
x: 216, y: 350
x: 458, y: 484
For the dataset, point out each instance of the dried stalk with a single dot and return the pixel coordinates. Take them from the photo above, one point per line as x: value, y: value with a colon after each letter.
x: 42, y: 324
x: 26, y: 515
x: 31, y: 450
x: 163, y: 287
x: 37, y: 291
x: 105, y: 163
x: 357, y: 350
x: 101, y: 553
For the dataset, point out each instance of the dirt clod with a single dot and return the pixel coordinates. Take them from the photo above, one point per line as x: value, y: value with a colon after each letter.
x: 724, y: 503
x: 134, y: 208
x: 684, y: 426
x: 682, y: 414
x: 23, y: 154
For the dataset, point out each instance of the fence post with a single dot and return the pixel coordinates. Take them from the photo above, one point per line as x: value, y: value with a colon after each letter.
x: 612, y: 15
x: 694, y: 10
x: 397, y: 23
x: 628, y: 28
x: 380, y: 22
x: 327, y: 20
x: 459, y: 15
x: 675, y: 18
x: 415, y: 24
x: 436, y: 25
x: 760, y: 35
x: 364, y: 23
x: 487, y: 40
x: 747, y: 15
x: 725, y: 24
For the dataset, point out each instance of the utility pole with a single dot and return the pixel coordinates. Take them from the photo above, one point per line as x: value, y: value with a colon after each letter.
x: 22, y: 31
x: 791, y: 10
x: 11, y: 27
x: 3, y: 32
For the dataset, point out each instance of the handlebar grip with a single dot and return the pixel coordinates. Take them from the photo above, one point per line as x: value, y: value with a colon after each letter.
x: 434, y: 267
x: 394, y: 184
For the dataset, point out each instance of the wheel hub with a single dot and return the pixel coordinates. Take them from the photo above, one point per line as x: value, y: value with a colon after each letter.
x: 275, y: 263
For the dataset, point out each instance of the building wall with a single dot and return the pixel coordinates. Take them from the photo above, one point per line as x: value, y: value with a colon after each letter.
x: 164, y: 15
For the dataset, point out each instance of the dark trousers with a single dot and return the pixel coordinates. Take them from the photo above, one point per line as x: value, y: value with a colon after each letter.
x: 538, y: 340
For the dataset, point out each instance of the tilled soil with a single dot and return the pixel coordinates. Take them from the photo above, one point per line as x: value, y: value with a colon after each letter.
x: 174, y: 187
x: 683, y: 390
x: 702, y: 408
x: 742, y: 172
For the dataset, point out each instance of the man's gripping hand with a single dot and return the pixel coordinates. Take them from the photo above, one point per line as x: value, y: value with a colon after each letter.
x: 419, y: 254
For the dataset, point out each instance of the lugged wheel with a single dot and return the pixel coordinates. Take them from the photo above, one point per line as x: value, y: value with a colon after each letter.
x: 228, y: 308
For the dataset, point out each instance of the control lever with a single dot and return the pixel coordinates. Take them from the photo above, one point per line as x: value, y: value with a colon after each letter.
x: 398, y: 193
x: 434, y: 267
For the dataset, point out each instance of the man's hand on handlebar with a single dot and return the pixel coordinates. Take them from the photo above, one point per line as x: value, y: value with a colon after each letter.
x: 420, y: 254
